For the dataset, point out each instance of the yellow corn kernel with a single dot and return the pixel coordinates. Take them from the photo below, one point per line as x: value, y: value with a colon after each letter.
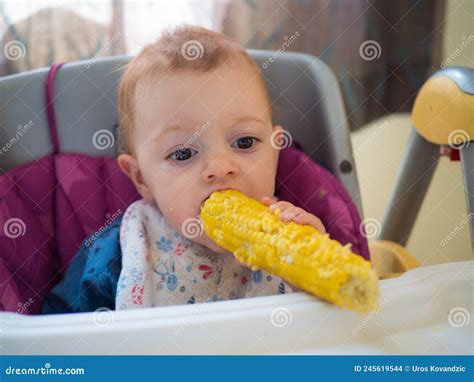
x: 299, y: 254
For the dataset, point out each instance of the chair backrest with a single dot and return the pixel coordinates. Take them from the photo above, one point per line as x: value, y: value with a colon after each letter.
x: 303, y: 90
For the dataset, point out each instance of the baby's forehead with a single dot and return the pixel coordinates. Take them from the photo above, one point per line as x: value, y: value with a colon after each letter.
x: 223, y: 74
x: 193, y: 97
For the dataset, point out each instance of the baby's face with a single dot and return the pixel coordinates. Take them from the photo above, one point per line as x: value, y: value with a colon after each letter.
x: 200, y: 132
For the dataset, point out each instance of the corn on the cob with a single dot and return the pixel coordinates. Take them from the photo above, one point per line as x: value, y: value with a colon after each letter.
x: 297, y: 253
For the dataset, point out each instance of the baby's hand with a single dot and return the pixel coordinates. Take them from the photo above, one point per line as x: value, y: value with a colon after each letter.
x: 290, y: 212
x: 296, y: 214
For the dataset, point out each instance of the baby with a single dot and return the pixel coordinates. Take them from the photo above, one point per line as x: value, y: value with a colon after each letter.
x: 195, y: 117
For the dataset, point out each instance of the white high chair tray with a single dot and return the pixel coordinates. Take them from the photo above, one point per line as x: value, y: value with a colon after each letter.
x: 428, y: 310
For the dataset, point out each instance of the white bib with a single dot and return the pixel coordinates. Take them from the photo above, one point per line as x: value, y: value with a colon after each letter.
x: 161, y: 267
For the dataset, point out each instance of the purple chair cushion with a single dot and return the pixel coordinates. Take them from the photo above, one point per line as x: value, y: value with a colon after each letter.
x: 47, y: 208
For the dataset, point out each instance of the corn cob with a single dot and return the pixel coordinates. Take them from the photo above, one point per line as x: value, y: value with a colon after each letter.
x: 298, y: 254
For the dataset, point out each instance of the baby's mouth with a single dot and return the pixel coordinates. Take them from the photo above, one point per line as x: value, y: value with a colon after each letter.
x: 208, y: 196
x: 202, y: 204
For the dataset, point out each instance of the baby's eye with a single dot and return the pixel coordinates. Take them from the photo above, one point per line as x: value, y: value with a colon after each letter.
x: 245, y: 142
x: 182, y: 154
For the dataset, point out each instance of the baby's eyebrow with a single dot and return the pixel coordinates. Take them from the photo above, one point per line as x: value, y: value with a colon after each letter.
x: 161, y: 131
x: 246, y: 118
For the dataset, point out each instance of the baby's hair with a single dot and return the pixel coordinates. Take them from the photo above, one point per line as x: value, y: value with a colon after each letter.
x: 183, y: 48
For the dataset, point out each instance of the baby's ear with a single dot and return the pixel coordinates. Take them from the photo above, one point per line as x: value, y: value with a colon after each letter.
x: 129, y: 166
x: 276, y: 135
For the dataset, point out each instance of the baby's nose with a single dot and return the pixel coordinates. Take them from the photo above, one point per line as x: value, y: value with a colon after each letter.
x: 219, y: 168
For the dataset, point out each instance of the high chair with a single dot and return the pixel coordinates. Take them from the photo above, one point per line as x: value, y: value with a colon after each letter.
x: 309, y: 105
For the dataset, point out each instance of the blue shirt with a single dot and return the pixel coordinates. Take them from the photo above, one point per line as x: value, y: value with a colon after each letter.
x: 91, y: 278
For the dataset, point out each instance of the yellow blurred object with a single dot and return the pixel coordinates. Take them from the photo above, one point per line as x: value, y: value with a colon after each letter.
x: 443, y: 114
x: 390, y: 259
x: 297, y: 253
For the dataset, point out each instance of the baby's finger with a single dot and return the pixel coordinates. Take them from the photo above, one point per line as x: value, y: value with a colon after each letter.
x: 282, y: 206
x: 291, y: 213
x: 312, y: 220
x: 301, y: 216
x: 268, y: 201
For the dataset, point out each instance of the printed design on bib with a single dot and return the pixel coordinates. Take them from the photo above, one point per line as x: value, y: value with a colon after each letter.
x: 166, y: 275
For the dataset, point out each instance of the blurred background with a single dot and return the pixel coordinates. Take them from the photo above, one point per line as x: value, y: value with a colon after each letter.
x: 380, y: 51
